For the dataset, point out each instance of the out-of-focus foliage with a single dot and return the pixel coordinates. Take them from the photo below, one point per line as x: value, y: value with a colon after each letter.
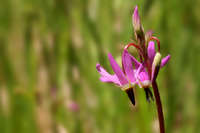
x: 48, y: 53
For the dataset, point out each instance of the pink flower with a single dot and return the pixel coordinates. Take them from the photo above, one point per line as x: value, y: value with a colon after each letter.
x: 124, y: 79
x: 134, y: 72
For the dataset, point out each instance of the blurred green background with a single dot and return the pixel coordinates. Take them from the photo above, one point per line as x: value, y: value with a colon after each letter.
x: 49, y: 50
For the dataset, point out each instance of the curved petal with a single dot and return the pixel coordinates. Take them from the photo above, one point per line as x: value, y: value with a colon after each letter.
x: 151, y: 51
x: 116, y: 68
x: 142, y: 77
x: 136, y: 63
x: 137, y: 71
x: 133, y: 60
x: 165, y: 61
x: 105, y: 76
x: 128, y: 66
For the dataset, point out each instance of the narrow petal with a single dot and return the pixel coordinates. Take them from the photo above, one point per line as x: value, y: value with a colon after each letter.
x: 133, y: 60
x: 138, y: 71
x: 151, y: 51
x: 128, y: 66
x: 165, y: 61
x: 105, y: 76
x: 116, y: 68
x: 136, y: 63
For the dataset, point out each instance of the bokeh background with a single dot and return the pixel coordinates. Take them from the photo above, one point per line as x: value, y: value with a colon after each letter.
x: 49, y: 50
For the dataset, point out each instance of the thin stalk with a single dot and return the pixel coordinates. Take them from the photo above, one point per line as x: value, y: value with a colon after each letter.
x: 159, y: 106
x: 157, y: 95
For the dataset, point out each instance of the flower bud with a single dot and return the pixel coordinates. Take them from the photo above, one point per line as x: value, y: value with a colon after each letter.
x: 157, y: 59
x: 138, y: 29
x: 148, y: 35
x: 156, y: 66
x: 136, y: 20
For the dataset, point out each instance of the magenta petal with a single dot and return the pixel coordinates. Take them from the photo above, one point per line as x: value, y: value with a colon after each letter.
x: 164, y: 61
x: 151, y: 51
x: 136, y: 63
x: 133, y: 60
x: 105, y: 76
x: 142, y: 73
x: 143, y: 76
x: 111, y: 79
x: 116, y: 68
x: 128, y: 66
x: 138, y: 70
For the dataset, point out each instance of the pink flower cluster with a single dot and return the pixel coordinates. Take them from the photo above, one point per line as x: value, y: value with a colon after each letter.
x: 134, y: 72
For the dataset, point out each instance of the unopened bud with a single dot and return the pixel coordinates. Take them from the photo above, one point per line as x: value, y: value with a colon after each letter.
x: 138, y: 29
x: 156, y: 66
x: 157, y: 59
x: 148, y: 35
x: 136, y: 20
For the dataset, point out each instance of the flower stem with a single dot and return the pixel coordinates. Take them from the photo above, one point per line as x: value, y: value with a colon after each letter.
x: 159, y: 106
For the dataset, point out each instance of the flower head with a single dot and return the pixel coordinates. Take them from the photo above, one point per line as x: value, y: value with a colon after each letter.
x: 125, y: 78
x: 134, y: 72
x: 142, y: 73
